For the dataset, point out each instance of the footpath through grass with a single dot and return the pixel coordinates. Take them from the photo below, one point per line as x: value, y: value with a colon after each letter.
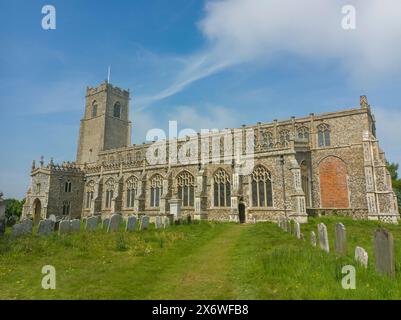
x: 200, y: 261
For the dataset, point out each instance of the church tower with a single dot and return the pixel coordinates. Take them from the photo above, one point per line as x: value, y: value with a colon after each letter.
x: 105, y: 124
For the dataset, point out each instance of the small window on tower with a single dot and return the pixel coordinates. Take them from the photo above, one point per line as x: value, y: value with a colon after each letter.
x: 117, y: 110
x: 94, y: 109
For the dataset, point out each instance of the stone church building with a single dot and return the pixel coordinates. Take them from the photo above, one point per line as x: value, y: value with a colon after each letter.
x: 329, y: 163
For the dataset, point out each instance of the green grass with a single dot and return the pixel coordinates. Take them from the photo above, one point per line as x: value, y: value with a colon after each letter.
x: 199, y: 261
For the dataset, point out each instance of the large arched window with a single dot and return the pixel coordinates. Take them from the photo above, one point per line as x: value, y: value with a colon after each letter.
x: 222, y: 189
x: 109, y: 192
x: 94, y: 109
x: 90, y: 191
x: 323, y: 134
x: 186, y: 187
x: 262, y: 191
x: 156, y: 190
x: 132, y: 184
x: 303, y: 133
x: 117, y: 110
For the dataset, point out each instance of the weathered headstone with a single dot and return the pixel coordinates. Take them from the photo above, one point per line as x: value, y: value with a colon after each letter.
x: 313, y: 238
x: 144, y: 223
x: 75, y: 225
x: 2, y: 215
x: 64, y: 227
x: 189, y: 219
x: 288, y: 224
x: 297, y: 229
x: 166, y: 222
x: 340, y: 239
x: 45, y: 227
x: 384, y: 252
x: 53, y: 218
x: 23, y: 228
x: 323, y: 237
x: 361, y: 256
x: 158, y: 222
x: 115, y: 222
x: 131, y: 223
x: 91, y: 223
x: 105, y: 223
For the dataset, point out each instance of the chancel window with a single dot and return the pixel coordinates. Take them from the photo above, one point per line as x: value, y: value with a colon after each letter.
x: 131, y: 184
x: 262, y: 189
x: 186, y: 188
x: 117, y: 110
x: 94, y: 109
x: 109, y: 192
x: 90, y: 191
x: 323, y: 133
x: 222, y: 189
x: 303, y: 133
x: 156, y: 190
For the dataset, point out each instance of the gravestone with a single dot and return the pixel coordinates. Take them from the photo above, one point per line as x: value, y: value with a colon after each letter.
x: 105, y: 223
x: 45, y: 227
x: 323, y: 237
x: 166, y: 222
x: 115, y: 222
x: 53, y: 218
x: 189, y: 219
x: 313, y: 238
x: 91, y: 223
x: 340, y: 239
x: 131, y: 223
x: 158, y: 222
x: 361, y: 256
x: 297, y: 229
x: 288, y: 224
x: 75, y: 225
x: 23, y: 228
x: 64, y: 227
x: 144, y: 223
x: 384, y: 252
x: 2, y: 215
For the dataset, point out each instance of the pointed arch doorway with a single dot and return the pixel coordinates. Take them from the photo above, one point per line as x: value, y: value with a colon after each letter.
x: 37, y: 210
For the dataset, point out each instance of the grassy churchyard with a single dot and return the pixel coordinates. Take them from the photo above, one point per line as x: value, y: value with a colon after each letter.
x: 197, y: 261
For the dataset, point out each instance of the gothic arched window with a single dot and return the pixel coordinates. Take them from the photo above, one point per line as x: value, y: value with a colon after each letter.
x: 262, y: 189
x: 323, y: 133
x: 267, y: 139
x: 109, y: 192
x: 156, y: 190
x: 132, y: 184
x: 94, y: 109
x: 67, y: 186
x: 186, y: 188
x: 66, y: 208
x: 222, y: 189
x: 303, y: 133
x: 90, y: 190
x: 285, y: 136
x: 117, y: 110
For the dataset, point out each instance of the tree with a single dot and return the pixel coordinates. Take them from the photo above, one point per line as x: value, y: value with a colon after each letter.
x: 14, y: 207
x: 396, y: 182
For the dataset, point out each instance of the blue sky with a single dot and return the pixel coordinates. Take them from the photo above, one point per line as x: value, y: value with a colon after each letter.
x: 206, y: 64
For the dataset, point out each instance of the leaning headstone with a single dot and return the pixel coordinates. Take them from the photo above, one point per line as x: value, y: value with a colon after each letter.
x: 313, y: 238
x: 144, y: 223
x: 45, y: 227
x: 91, y: 223
x: 2, y: 215
x: 105, y: 223
x: 131, y: 223
x: 340, y: 239
x: 297, y: 229
x: 323, y: 237
x: 361, y: 256
x: 23, y: 228
x: 158, y: 222
x: 75, y: 225
x: 64, y: 227
x: 384, y: 252
x: 115, y: 222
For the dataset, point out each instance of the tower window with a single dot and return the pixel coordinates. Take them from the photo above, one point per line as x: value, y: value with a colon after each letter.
x: 67, y: 186
x: 66, y: 208
x: 117, y: 110
x: 94, y: 109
